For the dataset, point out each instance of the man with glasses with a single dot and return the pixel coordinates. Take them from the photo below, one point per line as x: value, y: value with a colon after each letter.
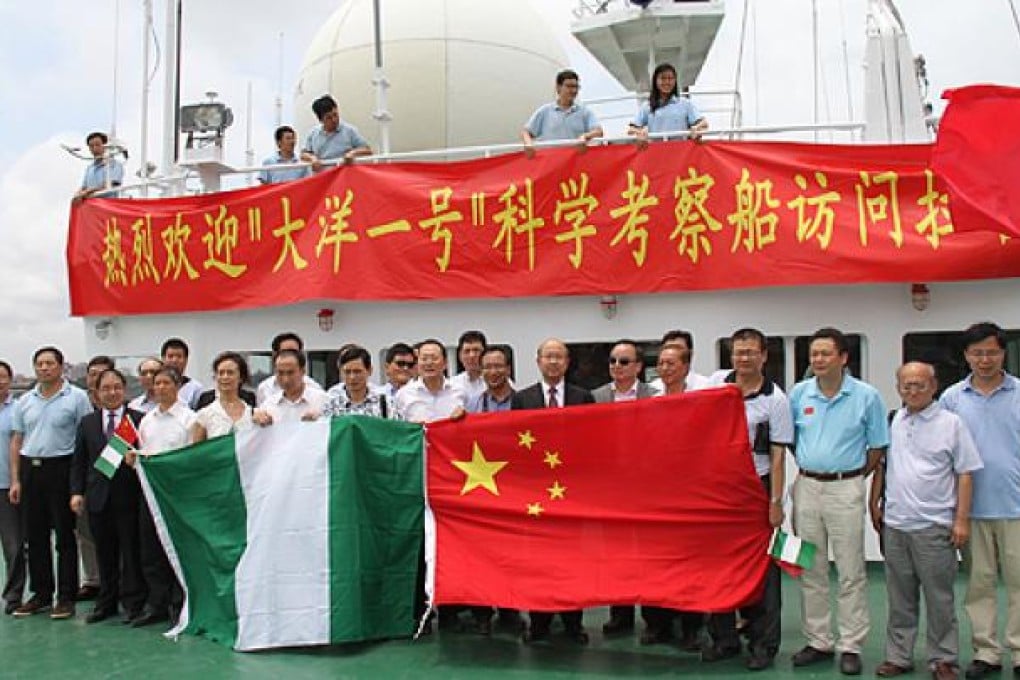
x: 624, y: 368
x: 399, y: 366
x: 840, y: 432
x: 770, y: 431
x: 988, y: 401
x: 925, y: 520
x: 146, y: 401
x: 563, y: 118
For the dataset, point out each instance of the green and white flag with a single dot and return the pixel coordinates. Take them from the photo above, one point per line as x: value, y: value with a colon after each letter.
x: 792, y: 554
x: 294, y: 534
x: 112, y: 456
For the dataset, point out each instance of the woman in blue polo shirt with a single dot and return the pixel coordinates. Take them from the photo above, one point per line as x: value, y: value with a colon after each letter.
x: 666, y: 110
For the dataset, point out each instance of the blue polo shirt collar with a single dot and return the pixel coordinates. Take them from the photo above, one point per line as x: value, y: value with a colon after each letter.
x: 65, y: 387
x: 845, y: 388
x: 1006, y: 384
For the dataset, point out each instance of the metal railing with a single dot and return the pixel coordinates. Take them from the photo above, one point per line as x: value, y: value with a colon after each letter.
x: 490, y: 150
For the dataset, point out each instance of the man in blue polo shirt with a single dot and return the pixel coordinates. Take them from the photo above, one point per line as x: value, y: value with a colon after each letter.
x: 563, y: 118
x: 840, y: 433
x: 988, y: 401
x: 286, y: 140
x: 11, y: 534
x: 44, y: 425
x: 102, y: 173
x: 332, y: 138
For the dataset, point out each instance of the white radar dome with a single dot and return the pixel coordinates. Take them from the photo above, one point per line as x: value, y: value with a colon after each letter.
x: 461, y: 72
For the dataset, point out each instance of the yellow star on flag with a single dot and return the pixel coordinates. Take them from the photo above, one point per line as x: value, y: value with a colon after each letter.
x: 552, y: 459
x: 480, y: 472
x: 556, y: 492
x: 535, y: 509
x: 526, y: 439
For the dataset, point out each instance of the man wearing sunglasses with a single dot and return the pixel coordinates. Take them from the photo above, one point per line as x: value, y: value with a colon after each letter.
x: 400, y: 368
x: 625, y: 367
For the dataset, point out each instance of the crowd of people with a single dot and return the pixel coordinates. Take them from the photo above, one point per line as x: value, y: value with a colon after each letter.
x: 945, y: 476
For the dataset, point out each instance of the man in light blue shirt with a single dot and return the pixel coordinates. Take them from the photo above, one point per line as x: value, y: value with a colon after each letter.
x: 332, y: 139
x: 103, y: 172
x: 286, y: 140
x: 988, y: 401
x: 44, y: 424
x: 11, y: 536
x: 840, y: 432
x: 563, y: 118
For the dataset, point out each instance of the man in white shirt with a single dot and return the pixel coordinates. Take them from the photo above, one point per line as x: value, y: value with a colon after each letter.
x: 926, y: 519
x: 682, y: 340
x: 431, y: 395
x: 270, y: 386
x: 470, y: 347
x: 400, y: 366
x: 296, y: 399
x: 166, y: 427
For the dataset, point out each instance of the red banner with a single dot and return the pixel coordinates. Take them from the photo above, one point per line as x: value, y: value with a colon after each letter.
x: 676, y: 216
x: 565, y: 508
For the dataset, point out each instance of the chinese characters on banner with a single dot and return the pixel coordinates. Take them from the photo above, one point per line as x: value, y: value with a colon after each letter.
x: 676, y: 216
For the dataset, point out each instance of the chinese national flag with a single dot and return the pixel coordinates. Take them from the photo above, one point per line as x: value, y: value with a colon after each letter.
x: 651, y: 502
x: 977, y: 155
x: 126, y: 430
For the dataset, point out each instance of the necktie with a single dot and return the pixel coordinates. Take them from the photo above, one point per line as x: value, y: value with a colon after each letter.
x: 111, y: 425
x: 553, y: 402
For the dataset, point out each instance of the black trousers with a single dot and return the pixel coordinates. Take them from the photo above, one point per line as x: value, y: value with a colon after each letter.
x: 12, y: 536
x: 116, y: 531
x: 162, y: 589
x: 764, y: 617
x: 46, y: 504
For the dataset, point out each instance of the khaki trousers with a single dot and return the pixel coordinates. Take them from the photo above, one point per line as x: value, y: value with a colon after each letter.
x: 825, y: 512
x: 994, y: 544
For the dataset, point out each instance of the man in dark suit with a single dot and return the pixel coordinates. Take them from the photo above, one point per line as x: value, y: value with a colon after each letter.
x: 625, y: 367
x: 111, y: 503
x: 552, y: 391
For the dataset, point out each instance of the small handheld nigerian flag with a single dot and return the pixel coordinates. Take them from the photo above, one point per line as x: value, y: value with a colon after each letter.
x: 792, y: 554
x: 112, y: 456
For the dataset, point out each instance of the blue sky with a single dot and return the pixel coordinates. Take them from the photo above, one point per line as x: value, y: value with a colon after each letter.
x: 56, y: 78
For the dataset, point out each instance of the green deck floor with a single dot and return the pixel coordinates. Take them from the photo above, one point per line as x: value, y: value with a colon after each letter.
x: 40, y: 648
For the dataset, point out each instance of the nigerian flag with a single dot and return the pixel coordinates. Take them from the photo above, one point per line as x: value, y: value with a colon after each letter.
x: 294, y: 534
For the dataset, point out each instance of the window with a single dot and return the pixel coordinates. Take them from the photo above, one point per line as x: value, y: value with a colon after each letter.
x: 802, y: 363
x: 589, y: 362
x: 775, y: 365
x: 944, y: 351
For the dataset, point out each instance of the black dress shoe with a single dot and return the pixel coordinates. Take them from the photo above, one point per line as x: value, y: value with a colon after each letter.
x: 809, y: 655
x: 850, y: 663
x: 130, y: 616
x: 11, y: 607
x: 147, y: 618
x: 690, y: 643
x: 758, y: 662
x: 617, y: 626
x: 86, y: 593
x: 979, y: 669
x: 97, y: 615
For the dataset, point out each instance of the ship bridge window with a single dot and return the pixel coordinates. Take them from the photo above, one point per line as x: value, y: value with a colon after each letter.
x: 802, y: 364
x: 589, y: 362
x: 944, y: 351
x: 775, y: 364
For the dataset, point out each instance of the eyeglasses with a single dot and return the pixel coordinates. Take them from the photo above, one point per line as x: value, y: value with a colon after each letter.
x: 913, y: 387
x: 984, y: 353
x: 405, y: 364
x: 746, y: 353
x: 493, y: 367
x: 622, y: 361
